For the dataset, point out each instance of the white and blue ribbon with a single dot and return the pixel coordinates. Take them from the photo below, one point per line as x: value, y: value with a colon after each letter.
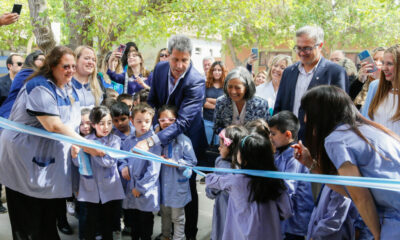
x: 367, y: 182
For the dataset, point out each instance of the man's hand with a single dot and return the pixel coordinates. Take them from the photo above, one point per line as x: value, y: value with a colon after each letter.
x: 8, y: 18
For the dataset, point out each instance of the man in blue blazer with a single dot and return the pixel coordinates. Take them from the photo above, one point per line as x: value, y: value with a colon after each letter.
x: 178, y: 83
x: 312, y: 70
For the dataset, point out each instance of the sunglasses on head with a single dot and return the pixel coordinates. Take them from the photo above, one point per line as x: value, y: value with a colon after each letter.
x: 163, y: 120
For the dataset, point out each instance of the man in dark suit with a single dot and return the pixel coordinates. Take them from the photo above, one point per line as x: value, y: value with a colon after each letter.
x: 178, y: 83
x: 312, y: 70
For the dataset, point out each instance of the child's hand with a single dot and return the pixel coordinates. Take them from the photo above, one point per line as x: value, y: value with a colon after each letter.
x: 302, y: 154
x: 125, y: 173
x: 74, y: 151
x: 157, y: 129
x: 170, y: 160
x: 135, y: 193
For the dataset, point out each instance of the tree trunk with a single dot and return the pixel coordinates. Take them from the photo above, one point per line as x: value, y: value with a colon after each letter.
x: 79, y: 21
x: 41, y: 25
x: 232, y: 52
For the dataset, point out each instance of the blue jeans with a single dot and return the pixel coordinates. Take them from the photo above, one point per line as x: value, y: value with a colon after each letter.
x: 208, y: 126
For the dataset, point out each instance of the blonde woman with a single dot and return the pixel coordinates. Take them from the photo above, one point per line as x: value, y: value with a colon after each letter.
x: 135, y: 77
x: 260, y: 78
x: 85, y: 78
x: 106, y: 80
x: 269, y: 89
x: 382, y: 104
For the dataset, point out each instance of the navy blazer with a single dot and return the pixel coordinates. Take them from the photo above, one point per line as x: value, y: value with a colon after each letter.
x: 188, y: 97
x: 327, y: 73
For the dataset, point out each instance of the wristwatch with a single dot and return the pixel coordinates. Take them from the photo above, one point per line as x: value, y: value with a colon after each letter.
x: 150, y: 142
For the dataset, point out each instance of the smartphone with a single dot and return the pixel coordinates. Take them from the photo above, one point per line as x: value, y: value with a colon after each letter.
x: 17, y: 8
x: 364, y: 56
x: 122, y: 48
x: 254, y: 51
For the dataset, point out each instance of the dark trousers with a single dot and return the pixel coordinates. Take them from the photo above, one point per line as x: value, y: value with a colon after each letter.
x: 100, y: 217
x: 32, y: 218
x: 192, y: 210
x: 61, y: 212
x: 289, y: 236
x: 127, y: 217
x: 142, y: 224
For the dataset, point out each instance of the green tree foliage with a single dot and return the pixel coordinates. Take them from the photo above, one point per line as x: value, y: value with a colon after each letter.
x: 238, y: 23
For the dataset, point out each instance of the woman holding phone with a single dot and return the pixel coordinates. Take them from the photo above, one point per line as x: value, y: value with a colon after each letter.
x: 382, y: 104
x: 135, y: 78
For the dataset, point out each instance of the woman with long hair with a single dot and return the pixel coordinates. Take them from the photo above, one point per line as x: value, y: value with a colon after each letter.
x: 341, y: 141
x: 85, y: 78
x: 36, y: 170
x: 135, y: 77
x: 383, y: 103
x: 106, y: 80
x: 214, y: 89
x: 269, y: 89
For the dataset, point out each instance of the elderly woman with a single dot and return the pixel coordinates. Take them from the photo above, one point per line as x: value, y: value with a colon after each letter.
x: 269, y: 89
x: 239, y: 105
x: 341, y: 141
x: 36, y: 170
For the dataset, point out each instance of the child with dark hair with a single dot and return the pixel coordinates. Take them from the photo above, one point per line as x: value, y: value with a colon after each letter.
x: 100, y: 187
x: 256, y: 205
x: 228, y: 141
x: 85, y: 128
x: 127, y: 99
x: 175, y: 188
x: 108, y: 102
x: 143, y: 188
x: 141, y: 96
x: 284, y: 127
x: 120, y: 113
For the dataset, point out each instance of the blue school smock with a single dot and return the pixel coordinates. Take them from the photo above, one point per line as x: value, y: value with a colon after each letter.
x: 220, y: 203
x: 343, y: 145
x: 249, y: 220
x: 122, y: 135
x: 299, y: 191
x: 333, y: 217
x: 175, y: 188
x: 85, y: 94
x: 133, y: 86
x: 105, y: 183
x: 144, y: 177
x: 32, y: 165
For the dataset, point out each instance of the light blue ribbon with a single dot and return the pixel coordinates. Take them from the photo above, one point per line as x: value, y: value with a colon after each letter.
x: 377, y: 183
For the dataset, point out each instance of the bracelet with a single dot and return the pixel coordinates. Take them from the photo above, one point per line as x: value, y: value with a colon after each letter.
x: 313, y: 165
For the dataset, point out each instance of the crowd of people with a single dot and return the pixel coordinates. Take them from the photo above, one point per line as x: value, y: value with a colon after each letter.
x: 314, y: 116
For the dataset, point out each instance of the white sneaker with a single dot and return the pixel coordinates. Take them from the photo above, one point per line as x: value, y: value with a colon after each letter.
x: 71, y: 208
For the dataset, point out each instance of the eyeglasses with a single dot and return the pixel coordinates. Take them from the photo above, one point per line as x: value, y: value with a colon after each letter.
x: 19, y: 64
x: 163, y: 120
x: 68, y: 67
x: 305, y: 50
x: 164, y: 55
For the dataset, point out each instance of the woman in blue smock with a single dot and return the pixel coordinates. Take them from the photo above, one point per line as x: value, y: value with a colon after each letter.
x: 341, y: 141
x: 36, y: 170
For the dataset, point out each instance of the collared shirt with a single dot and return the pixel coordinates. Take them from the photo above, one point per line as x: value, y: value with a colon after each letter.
x: 236, y: 117
x: 303, y: 81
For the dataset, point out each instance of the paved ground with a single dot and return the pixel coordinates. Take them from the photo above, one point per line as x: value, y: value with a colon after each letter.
x: 204, y: 225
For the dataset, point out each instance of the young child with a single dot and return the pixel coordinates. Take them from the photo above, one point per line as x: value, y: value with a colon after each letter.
x: 143, y: 189
x: 284, y: 127
x: 100, y: 186
x: 85, y: 127
x: 120, y: 116
x: 333, y: 217
x: 228, y: 140
x: 127, y: 99
x: 256, y: 205
x: 141, y: 96
x: 175, y: 189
